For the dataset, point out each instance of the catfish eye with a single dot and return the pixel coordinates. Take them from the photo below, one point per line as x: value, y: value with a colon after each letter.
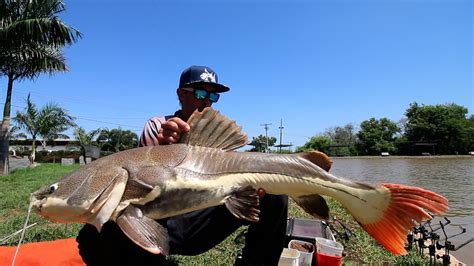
x: 53, y: 188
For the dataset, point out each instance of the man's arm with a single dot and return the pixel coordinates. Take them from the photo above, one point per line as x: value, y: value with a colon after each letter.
x: 150, y: 132
x: 158, y: 131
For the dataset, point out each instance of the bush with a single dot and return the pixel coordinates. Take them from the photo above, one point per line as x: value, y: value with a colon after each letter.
x: 106, y: 153
x: 55, y: 156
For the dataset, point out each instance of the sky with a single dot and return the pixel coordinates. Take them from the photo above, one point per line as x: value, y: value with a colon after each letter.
x: 313, y: 65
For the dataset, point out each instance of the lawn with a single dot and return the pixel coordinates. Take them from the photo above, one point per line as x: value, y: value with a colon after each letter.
x: 16, y: 188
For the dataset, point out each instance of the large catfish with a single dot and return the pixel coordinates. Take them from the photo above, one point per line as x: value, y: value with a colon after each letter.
x: 137, y: 186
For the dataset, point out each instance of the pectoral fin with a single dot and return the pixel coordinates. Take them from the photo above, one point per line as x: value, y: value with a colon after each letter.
x: 243, y: 204
x: 142, y: 180
x: 315, y: 205
x: 144, y: 231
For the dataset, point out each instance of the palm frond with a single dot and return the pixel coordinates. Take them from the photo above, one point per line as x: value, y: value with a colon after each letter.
x: 32, y: 37
x: 51, y: 31
x: 32, y: 61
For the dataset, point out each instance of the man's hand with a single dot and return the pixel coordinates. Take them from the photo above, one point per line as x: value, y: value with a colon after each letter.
x: 171, y: 130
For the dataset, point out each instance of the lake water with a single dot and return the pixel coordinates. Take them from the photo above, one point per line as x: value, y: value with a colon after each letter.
x: 452, y: 177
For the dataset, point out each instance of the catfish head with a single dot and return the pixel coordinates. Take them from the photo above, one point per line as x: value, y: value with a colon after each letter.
x: 87, y: 195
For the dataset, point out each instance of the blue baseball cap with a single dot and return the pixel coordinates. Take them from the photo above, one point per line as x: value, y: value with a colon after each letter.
x: 196, y: 75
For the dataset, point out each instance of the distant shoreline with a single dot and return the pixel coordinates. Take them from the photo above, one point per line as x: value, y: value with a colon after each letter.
x: 405, y: 157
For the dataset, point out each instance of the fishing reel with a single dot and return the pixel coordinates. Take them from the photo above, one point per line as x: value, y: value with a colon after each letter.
x: 425, y: 233
x: 342, y: 232
x: 448, y: 246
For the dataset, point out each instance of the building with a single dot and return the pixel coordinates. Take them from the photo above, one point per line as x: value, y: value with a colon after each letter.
x: 17, y: 145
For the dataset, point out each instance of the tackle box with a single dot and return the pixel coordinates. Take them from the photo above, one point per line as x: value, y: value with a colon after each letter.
x: 307, y: 230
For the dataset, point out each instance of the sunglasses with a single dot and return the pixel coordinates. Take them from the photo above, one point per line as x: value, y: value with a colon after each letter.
x: 201, y: 94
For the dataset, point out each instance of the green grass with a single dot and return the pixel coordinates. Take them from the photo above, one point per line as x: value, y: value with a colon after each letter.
x: 14, y: 194
x: 14, y: 198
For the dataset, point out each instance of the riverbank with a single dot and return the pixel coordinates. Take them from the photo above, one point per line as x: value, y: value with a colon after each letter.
x: 450, y: 176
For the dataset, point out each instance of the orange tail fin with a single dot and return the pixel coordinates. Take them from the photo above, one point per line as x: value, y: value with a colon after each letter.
x: 406, y: 207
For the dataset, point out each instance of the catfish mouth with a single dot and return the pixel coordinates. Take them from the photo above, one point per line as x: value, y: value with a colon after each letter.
x: 73, y: 208
x: 59, y: 210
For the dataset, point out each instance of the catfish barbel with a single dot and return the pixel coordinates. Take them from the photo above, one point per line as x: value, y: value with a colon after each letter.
x: 138, y: 186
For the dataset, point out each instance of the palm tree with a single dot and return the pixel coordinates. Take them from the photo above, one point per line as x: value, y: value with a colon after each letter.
x: 86, y: 138
x: 48, y: 122
x: 31, y: 40
x: 55, y: 121
x: 116, y: 140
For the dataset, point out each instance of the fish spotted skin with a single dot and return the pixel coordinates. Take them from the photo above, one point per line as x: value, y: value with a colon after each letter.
x: 137, y: 186
x: 196, y: 184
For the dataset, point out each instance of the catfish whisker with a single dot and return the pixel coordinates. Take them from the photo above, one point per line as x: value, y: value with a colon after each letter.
x: 23, y: 230
x: 8, y: 237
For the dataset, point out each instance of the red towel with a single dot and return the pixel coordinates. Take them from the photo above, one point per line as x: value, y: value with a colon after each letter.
x: 48, y: 253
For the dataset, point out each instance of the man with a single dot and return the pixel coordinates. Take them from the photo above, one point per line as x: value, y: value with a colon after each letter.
x: 196, y: 232
x: 198, y: 89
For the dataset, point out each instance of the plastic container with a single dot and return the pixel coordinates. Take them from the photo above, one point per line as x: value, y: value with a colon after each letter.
x: 289, y: 257
x: 306, y: 250
x: 328, y: 247
x: 326, y: 260
x: 328, y: 252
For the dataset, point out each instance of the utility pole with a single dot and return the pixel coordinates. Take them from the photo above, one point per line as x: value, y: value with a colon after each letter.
x: 281, y: 131
x: 266, y: 134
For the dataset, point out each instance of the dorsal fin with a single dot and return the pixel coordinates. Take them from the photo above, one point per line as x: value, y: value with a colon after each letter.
x: 211, y: 129
x: 318, y: 158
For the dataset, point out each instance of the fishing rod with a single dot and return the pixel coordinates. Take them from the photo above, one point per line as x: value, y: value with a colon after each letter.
x: 347, y: 232
x: 434, y: 237
x: 420, y: 234
x: 411, y: 236
x: 463, y: 244
x: 436, y: 229
x: 448, y: 246
x: 424, y: 232
x: 433, y: 244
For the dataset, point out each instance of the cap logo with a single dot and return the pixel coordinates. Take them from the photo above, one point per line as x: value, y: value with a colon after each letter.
x: 208, y: 76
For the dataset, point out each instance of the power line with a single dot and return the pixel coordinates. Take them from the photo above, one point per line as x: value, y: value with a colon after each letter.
x: 92, y: 120
x: 104, y: 122
x: 74, y: 100
x: 281, y: 131
x: 49, y: 97
x: 266, y: 135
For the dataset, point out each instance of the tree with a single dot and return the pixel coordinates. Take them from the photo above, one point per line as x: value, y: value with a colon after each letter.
x: 116, y: 140
x: 343, y: 140
x: 316, y: 143
x: 48, y: 122
x: 260, y: 143
x: 31, y: 40
x: 376, y: 136
x: 86, y: 138
x: 443, y: 124
x: 468, y: 135
x: 56, y: 121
